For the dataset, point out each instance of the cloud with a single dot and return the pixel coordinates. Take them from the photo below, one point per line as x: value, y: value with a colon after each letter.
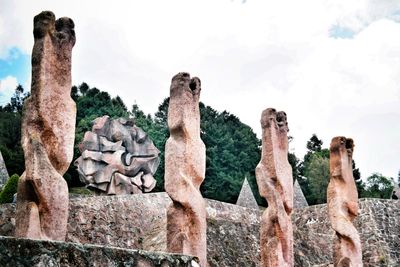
x: 7, y: 88
x: 249, y: 56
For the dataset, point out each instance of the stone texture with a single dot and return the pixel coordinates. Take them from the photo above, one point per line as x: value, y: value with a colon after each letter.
x: 343, y: 203
x: 27, y: 252
x: 185, y: 167
x: 275, y: 183
x: 396, y: 190
x: 3, y: 172
x: 246, y: 198
x: 139, y: 222
x: 48, y: 131
x: 299, y: 200
x: 117, y: 158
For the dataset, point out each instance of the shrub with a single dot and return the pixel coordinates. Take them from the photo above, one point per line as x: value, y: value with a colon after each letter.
x: 9, y: 189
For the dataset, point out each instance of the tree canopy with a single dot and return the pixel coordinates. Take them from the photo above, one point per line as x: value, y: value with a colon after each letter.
x: 232, y: 148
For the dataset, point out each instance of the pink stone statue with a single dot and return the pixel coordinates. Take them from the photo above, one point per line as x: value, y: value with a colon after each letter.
x: 48, y: 132
x: 275, y: 183
x: 343, y: 203
x: 185, y: 161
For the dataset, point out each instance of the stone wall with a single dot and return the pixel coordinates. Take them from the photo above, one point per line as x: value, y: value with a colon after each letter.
x: 139, y: 222
x: 28, y: 252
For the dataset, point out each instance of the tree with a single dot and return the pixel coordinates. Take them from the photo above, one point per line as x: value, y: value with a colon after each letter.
x: 91, y: 103
x: 10, y: 132
x: 10, y: 188
x: 318, y: 177
x: 314, y: 144
x: 378, y: 186
x: 232, y: 150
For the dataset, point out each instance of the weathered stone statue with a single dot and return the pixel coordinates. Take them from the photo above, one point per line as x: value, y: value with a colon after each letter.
x: 185, y: 161
x: 275, y: 183
x: 48, y: 131
x: 3, y: 172
x: 343, y: 203
x: 117, y: 158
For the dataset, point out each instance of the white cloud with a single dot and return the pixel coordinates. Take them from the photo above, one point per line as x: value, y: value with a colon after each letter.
x: 7, y: 87
x: 249, y: 56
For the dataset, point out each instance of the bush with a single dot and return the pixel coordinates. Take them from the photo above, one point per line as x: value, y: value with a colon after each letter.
x: 10, y: 188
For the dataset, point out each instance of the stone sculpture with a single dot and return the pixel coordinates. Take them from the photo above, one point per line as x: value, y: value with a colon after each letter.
x: 246, y: 198
x: 185, y: 161
x: 299, y: 200
x: 3, y: 172
x: 117, y: 158
x: 275, y: 183
x: 48, y: 131
x: 343, y: 203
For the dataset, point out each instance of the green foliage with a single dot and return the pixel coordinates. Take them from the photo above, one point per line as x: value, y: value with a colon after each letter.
x: 314, y: 144
x: 10, y: 132
x: 232, y: 150
x: 232, y: 153
x: 318, y: 177
x: 378, y: 186
x: 80, y: 191
x: 9, y: 189
x: 91, y: 103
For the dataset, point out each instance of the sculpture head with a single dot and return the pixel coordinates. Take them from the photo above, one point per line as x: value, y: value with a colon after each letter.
x: 43, y: 23
x: 271, y: 117
x: 341, y: 144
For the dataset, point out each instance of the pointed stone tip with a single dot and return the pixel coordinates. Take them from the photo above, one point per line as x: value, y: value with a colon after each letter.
x: 246, y: 197
x: 299, y: 200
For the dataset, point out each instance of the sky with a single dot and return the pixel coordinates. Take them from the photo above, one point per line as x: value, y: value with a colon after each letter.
x: 333, y: 66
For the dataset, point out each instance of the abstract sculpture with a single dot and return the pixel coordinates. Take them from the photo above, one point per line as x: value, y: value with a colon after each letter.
x: 343, y: 203
x: 275, y: 183
x: 117, y: 158
x: 185, y: 161
x: 48, y: 131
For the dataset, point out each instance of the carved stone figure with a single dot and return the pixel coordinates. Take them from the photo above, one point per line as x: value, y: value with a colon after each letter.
x: 275, y: 183
x: 185, y: 161
x: 117, y: 158
x: 3, y: 172
x: 48, y: 131
x: 343, y: 203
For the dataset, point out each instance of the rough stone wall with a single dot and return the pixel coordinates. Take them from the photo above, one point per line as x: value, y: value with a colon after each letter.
x: 139, y: 222
x: 377, y: 224
x: 28, y: 252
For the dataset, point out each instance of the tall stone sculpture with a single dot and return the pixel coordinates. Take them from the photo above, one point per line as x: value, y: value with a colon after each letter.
x: 275, y: 183
x: 185, y: 161
x: 343, y: 203
x: 3, y: 172
x: 48, y: 131
x: 117, y: 158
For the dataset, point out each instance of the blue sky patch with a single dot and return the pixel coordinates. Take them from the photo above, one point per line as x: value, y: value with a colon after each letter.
x: 17, y: 64
x: 341, y: 32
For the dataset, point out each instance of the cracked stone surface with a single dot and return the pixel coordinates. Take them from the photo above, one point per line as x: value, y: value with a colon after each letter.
x: 48, y: 132
x: 275, y: 183
x: 185, y: 167
x: 342, y: 198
